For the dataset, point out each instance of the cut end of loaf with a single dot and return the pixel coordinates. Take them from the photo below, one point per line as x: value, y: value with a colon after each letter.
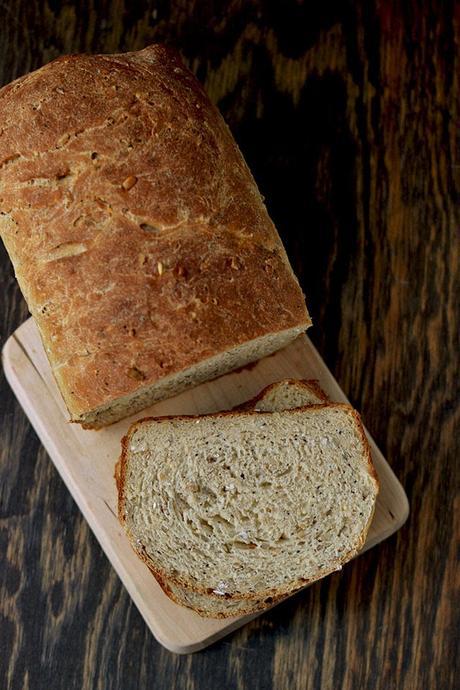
x: 205, y: 370
x: 247, y: 507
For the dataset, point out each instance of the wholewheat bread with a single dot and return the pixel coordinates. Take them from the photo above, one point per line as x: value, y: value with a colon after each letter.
x: 137, y: 233
x: 286, y: 395
x: 282, y: 395
x: 234, y: 511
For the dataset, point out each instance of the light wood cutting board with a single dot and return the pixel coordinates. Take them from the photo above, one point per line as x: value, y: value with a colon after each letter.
x: 86, y: 460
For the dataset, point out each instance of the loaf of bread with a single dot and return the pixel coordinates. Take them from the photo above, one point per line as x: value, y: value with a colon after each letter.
x: 137, y: 233
x: 235, y: 511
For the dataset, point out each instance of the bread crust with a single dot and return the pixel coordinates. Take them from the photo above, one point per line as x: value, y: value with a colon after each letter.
x: 311, y: 385
x: 275, y: 593
x: 134, y: 225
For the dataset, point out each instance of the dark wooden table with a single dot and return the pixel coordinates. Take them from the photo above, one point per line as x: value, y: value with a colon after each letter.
x: 346, y: 113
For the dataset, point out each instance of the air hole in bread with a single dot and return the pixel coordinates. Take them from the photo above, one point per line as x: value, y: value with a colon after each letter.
x: 206, y: 526
x: 243, y: 546
x: 135, y: 374
x: 221, y: 520
x: 148, y: 228
x: 45, y: 309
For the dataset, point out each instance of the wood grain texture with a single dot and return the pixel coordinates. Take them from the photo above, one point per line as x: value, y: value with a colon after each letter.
x: 347, y: 113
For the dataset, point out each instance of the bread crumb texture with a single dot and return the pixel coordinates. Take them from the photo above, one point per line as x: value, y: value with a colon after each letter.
x: 249, y: 506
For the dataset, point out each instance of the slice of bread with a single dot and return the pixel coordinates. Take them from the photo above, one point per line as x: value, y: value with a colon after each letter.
x: 234, y: 511
x: 282, y: 395
x: 286, y: 395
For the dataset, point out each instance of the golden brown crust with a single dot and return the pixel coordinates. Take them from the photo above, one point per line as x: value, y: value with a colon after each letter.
x: 138, y: 235
x: 368, y: 458
x: 116, y: 474
x: 120, y: 477
x: 274, y: 593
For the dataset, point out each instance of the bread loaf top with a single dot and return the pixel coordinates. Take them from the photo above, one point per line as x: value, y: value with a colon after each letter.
x: 137, y: 233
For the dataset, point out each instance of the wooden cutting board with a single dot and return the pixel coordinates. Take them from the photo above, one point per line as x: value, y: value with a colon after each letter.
x: 86, y: 460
